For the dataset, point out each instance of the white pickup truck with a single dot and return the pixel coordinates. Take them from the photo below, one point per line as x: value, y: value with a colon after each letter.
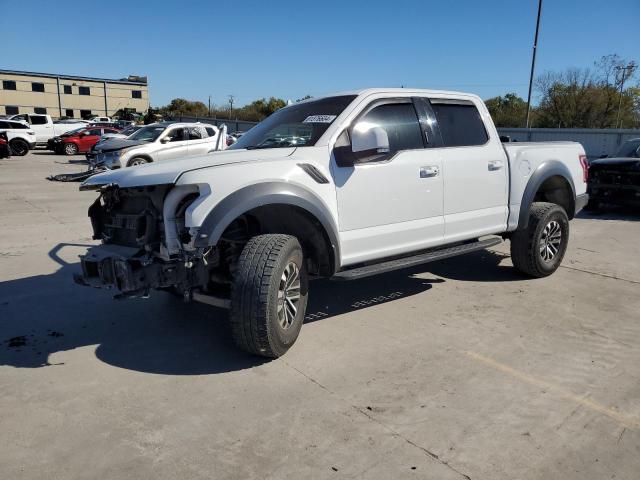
x: 45, y: 127
x: 345, y: 186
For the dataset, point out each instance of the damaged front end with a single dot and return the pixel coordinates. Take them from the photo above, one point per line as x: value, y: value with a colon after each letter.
x: 145, y: 242
x: 615, y: 181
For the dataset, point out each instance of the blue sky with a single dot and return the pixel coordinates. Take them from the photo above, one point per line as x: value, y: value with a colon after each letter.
x: 288, y: 49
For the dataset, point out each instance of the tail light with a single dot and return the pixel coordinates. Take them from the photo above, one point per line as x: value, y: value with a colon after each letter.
x: 585, y: 167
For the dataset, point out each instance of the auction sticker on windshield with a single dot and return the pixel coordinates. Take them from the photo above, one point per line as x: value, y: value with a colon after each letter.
x: 319, y: 119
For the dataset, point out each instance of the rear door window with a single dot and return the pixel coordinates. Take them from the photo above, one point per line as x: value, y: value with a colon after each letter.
x: 196, y: 133
x: 38, y: 120
x: 460, y: 123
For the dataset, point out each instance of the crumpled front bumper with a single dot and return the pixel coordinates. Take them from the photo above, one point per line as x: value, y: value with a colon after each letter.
x: 134, y: 272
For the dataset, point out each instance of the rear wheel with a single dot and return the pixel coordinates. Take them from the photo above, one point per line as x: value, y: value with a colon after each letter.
x: 19, y: 147
x: 539, y: 249
x: 269, y: 295
x: 70, y: 149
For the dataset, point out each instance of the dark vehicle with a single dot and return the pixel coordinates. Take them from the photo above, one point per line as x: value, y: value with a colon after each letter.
x: 616, y: 180
x: 5, y: 151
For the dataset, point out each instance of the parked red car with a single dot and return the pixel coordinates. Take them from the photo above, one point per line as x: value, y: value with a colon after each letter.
x: 79, y: 141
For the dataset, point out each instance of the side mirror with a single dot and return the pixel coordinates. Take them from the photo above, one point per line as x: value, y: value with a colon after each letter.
x: 165, y: 139
x: 367, y: 139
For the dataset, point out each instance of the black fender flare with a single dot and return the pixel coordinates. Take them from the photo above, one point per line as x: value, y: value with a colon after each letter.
x: 546, y: 170
x: 261, y: 194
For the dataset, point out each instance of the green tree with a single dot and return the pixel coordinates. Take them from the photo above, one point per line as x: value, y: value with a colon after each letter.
x: 508, y: 110
x: 588, y: 98
x: 182, y: 107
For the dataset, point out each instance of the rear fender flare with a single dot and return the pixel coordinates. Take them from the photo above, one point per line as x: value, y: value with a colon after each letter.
x: 545, y: 170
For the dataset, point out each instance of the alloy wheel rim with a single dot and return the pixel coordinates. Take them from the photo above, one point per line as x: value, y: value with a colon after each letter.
x: 288, y: 295
x: 550, y: 241
x: 70, y: 149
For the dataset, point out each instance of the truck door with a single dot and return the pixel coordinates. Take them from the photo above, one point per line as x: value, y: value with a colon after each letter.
x: 475, y: 170
x: 389, y: 204
x: 42, y: 126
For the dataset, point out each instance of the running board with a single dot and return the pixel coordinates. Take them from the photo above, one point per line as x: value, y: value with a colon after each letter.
x: 405, y: 262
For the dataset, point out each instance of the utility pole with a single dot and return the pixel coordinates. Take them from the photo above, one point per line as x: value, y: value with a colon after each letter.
x: 533, y: 63
x: 209, y: 106
x: 230, y: 106
x: 630, y: 68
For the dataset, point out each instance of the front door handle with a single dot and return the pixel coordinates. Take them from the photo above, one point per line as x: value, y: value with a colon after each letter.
x: 429, y: 171
x: 495, y: 165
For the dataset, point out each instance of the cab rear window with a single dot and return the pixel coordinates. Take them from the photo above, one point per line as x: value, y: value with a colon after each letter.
x: 460, y: 123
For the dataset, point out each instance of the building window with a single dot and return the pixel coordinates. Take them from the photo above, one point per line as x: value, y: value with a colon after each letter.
x: 11, y: 110
x: 136, y: 94
x: 37, y: 87
x: 69, y: 112
x: 40, y: 110
x: 8, y: 84
x: 85, y: 113
x: 84, y: 90
x: 67, y: 89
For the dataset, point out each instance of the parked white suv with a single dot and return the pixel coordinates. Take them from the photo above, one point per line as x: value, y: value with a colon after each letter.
x: 345, y: 186
x: 154, y: 143
x: 20, y: 135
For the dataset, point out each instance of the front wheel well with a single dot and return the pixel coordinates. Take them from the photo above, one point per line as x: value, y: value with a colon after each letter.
x: 556, y: 189
x: 289, y: 220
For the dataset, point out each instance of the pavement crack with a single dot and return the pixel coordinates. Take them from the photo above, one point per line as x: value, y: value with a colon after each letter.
x: 388, y: 428
x: 605, y: 275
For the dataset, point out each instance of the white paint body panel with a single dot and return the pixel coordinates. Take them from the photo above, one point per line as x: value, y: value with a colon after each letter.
x: 47, y: 130
x: 380, y: 209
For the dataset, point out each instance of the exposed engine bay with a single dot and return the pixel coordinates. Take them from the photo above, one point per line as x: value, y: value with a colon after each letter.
x: 146, y: 245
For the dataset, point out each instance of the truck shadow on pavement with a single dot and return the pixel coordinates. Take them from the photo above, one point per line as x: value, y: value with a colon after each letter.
x: 611, y: 213
x: 44, y: 315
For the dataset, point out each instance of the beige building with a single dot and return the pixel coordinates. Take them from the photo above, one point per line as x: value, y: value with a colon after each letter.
x: 70, y: 96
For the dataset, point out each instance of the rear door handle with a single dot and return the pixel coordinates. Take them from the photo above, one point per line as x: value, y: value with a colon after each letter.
x: 429, y: 171
x: 495, y: 165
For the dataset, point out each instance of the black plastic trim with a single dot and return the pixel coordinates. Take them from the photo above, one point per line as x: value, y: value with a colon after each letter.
x: 547, y: 169
x: 262, y: 194
x: 313, y: 172
x: 440, y: 253
x: 581, y: 202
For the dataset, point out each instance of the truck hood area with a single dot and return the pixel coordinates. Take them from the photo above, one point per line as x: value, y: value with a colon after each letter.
x: 113, y: 144
x: 167, y: 172
x: 615, y: 163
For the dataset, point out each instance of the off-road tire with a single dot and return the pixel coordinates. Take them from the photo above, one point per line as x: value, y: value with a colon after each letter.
x: 255, y: 325
x: 70, y: 149
x: 525, y: 244
x: 19, y: 147
x: 137, y: 161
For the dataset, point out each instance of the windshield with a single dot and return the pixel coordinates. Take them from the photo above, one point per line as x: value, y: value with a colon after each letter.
x: 298, y: 125
x: 628, y: 149
x: 74, y: 131
x: 148, y: 134
x: 130, y: 129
